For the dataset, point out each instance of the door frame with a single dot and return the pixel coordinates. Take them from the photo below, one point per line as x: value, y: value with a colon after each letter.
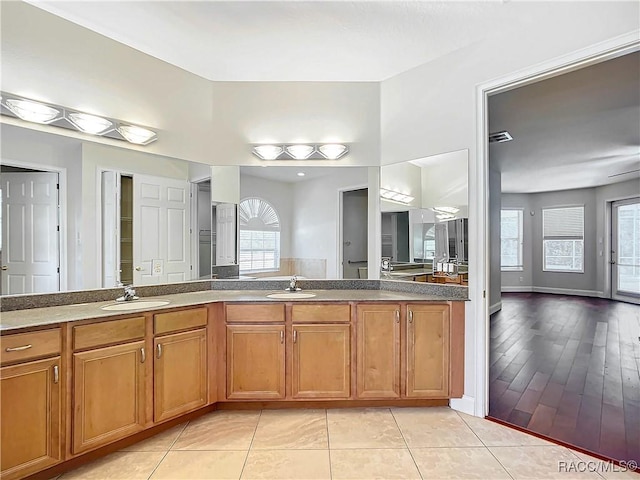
x: 612, y: 220
x: 63, y: 261
x: 476, y: 400
x: 339, y: 215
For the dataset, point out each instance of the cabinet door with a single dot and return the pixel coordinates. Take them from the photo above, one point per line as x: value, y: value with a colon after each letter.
x: 321, y: 361
x: 427, y: 351
x: 109, y: 394
x: 179, y: 373
x: 255, y: 362
x: 378, y: 351
x: 31, y: 427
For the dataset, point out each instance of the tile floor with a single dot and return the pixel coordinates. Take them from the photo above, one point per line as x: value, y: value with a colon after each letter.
x: 358, y: 443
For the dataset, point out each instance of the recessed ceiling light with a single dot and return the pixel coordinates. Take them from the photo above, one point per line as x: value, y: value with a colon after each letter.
x: 33, y: 111
x: 301, y: 174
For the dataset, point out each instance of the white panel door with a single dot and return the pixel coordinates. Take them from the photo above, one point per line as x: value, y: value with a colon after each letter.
x: 161, y: 252
x: 110, y: 229
x: 225, y: 234
x: 30, y: 242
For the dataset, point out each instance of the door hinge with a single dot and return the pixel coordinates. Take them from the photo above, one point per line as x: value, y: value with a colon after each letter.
x: 58, y: 269
x: 57, y: 186
x: 484, y: 294
x: 57, y: 228
x: 190, y: 267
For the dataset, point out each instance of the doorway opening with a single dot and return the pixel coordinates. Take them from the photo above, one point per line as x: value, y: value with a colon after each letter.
x: 354, y: 242
x: 625, y: 250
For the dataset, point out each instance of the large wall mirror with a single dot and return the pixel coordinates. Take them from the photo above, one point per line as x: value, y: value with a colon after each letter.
x: 80, y: 215
x: 424, y: 209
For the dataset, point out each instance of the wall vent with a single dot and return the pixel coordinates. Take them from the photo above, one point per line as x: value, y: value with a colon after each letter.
x: 500, y: 137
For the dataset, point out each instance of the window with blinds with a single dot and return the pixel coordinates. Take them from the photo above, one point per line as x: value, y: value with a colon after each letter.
x: 259, y: 236
x: 563, y: 239
x: 511, y: 240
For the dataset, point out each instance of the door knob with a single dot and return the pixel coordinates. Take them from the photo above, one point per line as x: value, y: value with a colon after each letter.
x: 138, y: 269
x: 4, y: 267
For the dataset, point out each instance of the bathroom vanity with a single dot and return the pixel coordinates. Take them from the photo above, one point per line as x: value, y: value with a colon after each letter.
x: 81, y: 380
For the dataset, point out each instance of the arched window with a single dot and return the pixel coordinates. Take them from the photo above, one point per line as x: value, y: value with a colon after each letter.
x: 259, y: 236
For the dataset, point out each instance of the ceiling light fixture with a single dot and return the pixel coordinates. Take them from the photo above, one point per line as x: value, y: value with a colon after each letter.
x: 137, y: 135
x: 306, y: 151
x: 267, y: 152
x: 300, y: 152
x: 90, y: 123
x: 59, y: 116
x: 32, y: 111
x: 394, y: 196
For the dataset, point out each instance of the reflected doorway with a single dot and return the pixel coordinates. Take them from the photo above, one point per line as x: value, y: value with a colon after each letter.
x: 354, y: 233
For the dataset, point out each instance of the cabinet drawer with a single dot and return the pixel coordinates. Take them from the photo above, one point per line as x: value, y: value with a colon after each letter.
x: 105, y: 333
x: 24, y: 346
x: 272, y: 312
x: 321, y: 313
x: 182, y: 320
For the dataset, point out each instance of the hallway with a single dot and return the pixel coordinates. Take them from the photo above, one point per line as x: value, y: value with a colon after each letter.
x: 568, y: 368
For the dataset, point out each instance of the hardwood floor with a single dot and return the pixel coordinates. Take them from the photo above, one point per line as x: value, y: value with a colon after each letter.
x: 568, y: 368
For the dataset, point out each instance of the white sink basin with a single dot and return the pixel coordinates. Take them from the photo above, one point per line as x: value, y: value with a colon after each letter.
x: 135, y: 305
x: 291, y: 295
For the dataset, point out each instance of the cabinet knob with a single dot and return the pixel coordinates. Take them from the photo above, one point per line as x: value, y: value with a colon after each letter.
x: 159, y: 350
x: 56, y: 374
x: 143, y: 355
x: 410, y: 316
x: 295, y: 336
x: 281, y: 336
x: 397, y: 316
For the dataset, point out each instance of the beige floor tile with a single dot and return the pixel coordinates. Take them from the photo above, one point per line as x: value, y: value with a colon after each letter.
x: 299, y: 429
x: 458, y: 463
x: 608, y: 470
x: 287, y: 465
x: 434, y: 427
x: 372, y: 464
x: 118, y: 466
x: 363, y: 428
x: 190, y: 465
x: 535, y: 462
x: 158, y: 443
x: 221, y: 430
x: 493, y: 434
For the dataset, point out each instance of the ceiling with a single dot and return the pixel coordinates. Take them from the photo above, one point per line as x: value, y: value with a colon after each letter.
x: 580, y: 129
x: 297, y: 40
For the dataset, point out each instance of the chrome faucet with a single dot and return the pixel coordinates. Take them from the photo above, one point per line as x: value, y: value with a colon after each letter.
x: 129, y: 294
x: 293, y: 284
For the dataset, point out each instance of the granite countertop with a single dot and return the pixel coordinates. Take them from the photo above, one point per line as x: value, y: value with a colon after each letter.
x: 33, y: 317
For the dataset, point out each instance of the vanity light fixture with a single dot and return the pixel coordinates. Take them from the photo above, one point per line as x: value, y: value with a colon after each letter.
x: 306, y: 151
x: 59, y: 116
x: 90, y: 123
x: 398, y: 197
x: 300, y: 152
x: 32, y: 111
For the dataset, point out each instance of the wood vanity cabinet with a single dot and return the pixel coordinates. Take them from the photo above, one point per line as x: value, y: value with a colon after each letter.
x: 321, y: 351
x: 403, y: 354
x: 180, y: 363
x: 30, y: 391
x: 109, y: 392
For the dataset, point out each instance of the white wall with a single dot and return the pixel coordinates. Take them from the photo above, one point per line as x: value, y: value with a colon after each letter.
x: 281, y: 196
x: 445, y: 180
x: 316, y: 215
x: 512, y: 279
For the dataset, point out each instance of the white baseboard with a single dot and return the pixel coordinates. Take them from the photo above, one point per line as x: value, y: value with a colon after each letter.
x: 496, y: 307
x: 466, y: 404
x: 559, y: 291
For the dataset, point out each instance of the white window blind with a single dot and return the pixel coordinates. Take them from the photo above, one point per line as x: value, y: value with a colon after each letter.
x: 511, y: 240
x: 563, y: 239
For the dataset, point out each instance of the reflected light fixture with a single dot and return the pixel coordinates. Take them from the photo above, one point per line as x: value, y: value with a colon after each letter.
x: 306, y: 151
x: 449, y: 210
x: 33, y: 111
x: 300, y: 174
x: 90, y: 123
x: 300, y: 152
x: 59, y: 116
x: 393, y: 196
